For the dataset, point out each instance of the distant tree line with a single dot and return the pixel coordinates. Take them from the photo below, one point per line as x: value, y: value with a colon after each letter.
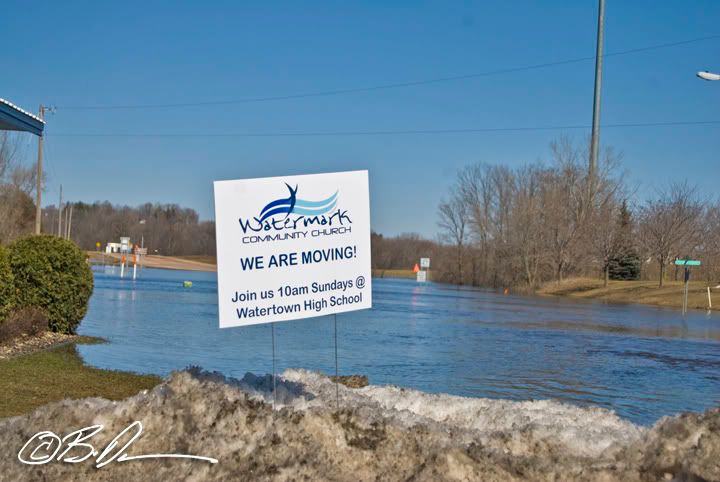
x: 523, y: 227
x: 400, y: 252
x: 165, y: 229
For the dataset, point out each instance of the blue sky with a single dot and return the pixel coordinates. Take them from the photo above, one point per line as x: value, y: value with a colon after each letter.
x: 72, y: 54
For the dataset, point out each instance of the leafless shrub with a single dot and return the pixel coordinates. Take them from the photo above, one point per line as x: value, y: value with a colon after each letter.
x: 24, y: 321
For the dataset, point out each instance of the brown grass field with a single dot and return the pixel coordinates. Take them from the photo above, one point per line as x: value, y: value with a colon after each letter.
x: 189, y: 263
x: 642, y: 292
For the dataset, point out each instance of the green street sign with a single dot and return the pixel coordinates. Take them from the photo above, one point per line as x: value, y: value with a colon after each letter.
x: 687, y: 262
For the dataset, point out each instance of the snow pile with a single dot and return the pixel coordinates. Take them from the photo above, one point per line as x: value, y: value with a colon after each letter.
x: 379, y: 433
x: 577, y: 431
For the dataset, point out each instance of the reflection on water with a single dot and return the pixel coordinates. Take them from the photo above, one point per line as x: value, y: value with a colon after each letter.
x: 643, y: 362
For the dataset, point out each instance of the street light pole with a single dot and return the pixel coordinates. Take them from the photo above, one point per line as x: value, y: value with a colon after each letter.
x: 142, y: 241
x: 594, y: 140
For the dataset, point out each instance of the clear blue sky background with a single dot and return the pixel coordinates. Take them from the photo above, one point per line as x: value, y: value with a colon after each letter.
x: 72, y: 54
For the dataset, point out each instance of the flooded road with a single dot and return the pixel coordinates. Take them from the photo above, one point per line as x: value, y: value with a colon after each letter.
x: 643, y: 362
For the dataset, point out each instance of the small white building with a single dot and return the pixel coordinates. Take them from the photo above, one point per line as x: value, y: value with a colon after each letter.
x: 123, y: 247
x: 112, y: 248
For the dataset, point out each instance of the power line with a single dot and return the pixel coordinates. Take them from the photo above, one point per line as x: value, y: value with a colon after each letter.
x: 398, y: 85
x: 394, y: 132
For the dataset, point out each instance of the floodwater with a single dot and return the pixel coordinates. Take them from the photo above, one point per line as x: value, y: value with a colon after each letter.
x: 642, y: 362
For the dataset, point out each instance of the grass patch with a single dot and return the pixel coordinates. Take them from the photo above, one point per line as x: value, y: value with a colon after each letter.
x: 29, y: 381
x: 642, y: 292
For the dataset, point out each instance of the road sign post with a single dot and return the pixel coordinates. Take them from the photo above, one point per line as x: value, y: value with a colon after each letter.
x: 686, y: 263
x: 421, y: 270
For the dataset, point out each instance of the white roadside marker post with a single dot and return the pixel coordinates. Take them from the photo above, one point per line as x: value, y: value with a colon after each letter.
x: 709, y: 299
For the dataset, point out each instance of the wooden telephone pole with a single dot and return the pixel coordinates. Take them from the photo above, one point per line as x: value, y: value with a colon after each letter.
x: 39, y: 174
x: 60, y: 211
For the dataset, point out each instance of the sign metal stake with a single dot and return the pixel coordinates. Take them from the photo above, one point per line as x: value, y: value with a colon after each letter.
x: 337, y: 380
x: 272, y: 329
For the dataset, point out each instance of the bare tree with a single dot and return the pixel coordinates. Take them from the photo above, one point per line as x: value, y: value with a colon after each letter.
x: 453, y: 219
x: 565, y: 202
x: 528, y: 224
x: 710, y: 245
x: 580, y: 218
x: 606, y: 234
x: 670, y: 225
x: 474, y: 188
x: 17, y: 183
x: 607, y: 215
x: 488, y: 192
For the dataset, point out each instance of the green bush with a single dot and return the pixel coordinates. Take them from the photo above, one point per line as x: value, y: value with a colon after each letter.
x: 52, y: 274
x: 7, y: 286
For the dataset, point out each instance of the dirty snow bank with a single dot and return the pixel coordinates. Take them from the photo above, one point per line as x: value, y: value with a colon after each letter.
x: 379, y: 433
x: 577, y: 431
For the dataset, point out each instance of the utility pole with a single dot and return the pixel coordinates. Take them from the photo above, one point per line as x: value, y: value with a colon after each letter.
x: 594, y: 140
x: 60, y: 214
x: 67, y: 217
x: 69, y: 224
x: 39, y: 174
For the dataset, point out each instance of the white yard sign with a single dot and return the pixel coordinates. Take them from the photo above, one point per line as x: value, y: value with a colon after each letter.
x: 292, y: 247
